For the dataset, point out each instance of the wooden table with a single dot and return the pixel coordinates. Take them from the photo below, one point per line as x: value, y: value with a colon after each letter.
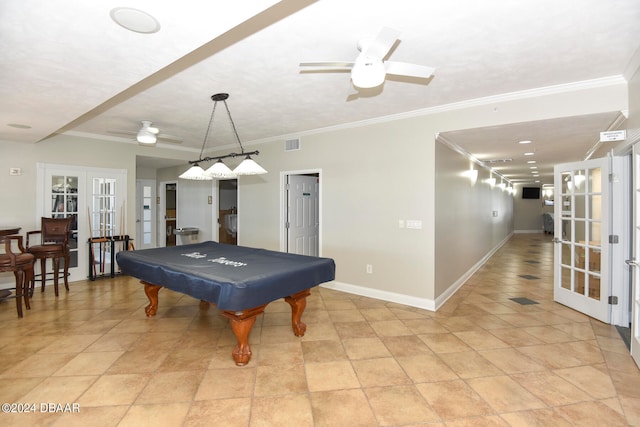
x: 8, y: 230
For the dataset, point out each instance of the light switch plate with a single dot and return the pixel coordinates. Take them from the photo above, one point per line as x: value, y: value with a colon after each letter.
x: 416, y: 224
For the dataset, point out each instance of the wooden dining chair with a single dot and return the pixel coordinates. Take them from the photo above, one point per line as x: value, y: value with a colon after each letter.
x: 21, y: 264
x: 54, y: 244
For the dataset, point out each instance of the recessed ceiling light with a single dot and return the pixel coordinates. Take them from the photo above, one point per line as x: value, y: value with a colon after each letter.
x: 19, y: 126
x: 531, y: 161
x: 524, y: 142
x: 533, y: 167
x: 529, y: 154
x: 135, y: 20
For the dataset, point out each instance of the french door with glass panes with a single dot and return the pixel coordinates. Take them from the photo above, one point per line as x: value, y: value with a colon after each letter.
x: 94, y: 197
x: 634, y: 262
x: 587, y: 243
x: 62, y: 198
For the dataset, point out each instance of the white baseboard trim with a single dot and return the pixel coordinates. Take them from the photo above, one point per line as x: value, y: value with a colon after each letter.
x: 451, y: 290
x: 527, y: 231
x: 424, y: 303
x: 411, y: 301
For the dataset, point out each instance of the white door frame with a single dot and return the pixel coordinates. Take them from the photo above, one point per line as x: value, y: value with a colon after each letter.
x: 284, y: 208
x: 85, y: 174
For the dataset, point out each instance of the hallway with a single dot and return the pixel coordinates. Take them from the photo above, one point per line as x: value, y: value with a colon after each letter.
x: 483, y: 359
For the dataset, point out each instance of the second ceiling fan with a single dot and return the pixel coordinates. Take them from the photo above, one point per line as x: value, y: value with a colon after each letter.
x: 369, y: 69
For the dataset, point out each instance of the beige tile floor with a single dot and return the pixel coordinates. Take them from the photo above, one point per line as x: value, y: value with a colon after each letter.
x: 481, y: 360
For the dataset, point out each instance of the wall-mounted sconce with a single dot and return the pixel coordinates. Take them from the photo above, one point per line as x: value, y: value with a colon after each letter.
x: 472, y: 175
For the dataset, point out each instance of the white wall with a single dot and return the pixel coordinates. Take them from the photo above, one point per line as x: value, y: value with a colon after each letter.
x: 527, y: 212
x: 194, y: 210
x: 466, y: 229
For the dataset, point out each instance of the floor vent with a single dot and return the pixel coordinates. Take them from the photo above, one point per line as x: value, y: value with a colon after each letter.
x: 524, y: 301
x: 528, y: 276
x: 292, y: 144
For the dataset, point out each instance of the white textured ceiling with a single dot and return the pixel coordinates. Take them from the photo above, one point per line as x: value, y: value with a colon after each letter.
x: 65, y: 66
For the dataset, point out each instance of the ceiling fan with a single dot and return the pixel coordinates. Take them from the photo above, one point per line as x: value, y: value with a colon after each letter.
x: 149, y: 135
x: 370, y: 69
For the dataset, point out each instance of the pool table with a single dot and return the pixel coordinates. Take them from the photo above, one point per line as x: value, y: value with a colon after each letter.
x: 239, y: 280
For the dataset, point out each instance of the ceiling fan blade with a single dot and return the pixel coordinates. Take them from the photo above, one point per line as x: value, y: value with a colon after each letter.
x: 160, y: 136
x: 331, y: 64
x: 169, y: 138
x: 122, y: 132
x: 407, y: 69
x: 382, y: 44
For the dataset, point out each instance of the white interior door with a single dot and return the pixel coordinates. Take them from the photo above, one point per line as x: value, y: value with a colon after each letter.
x: 303, y: 215
x: 635, y: 270
x: 581, y: 266
x: 145, y: 214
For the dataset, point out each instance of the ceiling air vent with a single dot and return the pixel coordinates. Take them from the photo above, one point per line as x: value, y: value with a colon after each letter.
x: 492, y: 161
x: 292, y: 144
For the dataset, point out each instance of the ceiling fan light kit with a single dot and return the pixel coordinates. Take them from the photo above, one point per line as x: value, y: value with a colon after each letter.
x: 368, y: 73
x: 219, y: 170
x: 147, y: 133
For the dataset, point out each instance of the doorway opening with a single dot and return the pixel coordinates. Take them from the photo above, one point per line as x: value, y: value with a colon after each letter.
x: 228, y: 211
x: 301, y: 212
x: 169, y: 191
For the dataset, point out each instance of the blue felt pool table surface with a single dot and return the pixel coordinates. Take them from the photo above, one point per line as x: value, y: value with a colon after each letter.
x: 233, y: 277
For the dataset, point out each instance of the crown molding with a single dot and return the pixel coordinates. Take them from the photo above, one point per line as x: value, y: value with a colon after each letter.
x: 477, y: 102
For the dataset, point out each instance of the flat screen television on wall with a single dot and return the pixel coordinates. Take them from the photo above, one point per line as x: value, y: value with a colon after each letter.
x: 530, y: 192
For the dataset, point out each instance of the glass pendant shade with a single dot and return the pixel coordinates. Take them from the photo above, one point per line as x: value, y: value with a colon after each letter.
x: 197, y: 173
x: 220, y: 171
x: 249, y: 167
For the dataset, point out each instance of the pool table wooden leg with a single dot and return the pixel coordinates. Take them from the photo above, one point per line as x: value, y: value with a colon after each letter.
x: 152, y: 293
x: 298, y: 303
x: 241, y: 324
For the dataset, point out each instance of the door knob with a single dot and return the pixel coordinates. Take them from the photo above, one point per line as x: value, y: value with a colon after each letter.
x: 632, y: 262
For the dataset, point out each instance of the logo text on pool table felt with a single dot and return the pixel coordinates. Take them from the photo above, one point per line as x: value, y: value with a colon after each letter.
x: 220, y: 260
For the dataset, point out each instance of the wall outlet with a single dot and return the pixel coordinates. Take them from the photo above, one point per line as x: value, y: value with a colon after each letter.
x: 369, y: 269
x: 15, y: 171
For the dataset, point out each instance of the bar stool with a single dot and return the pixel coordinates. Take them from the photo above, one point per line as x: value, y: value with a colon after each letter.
x: 54, y: 245
x: 21, y: 264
